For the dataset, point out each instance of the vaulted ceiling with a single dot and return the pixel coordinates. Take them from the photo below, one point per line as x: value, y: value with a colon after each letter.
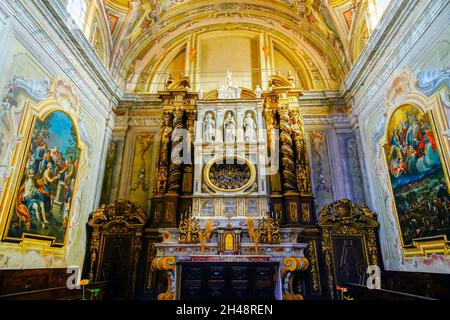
x: 325, y: 35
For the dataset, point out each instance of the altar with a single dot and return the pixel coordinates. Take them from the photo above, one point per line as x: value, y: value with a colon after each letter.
x: 281, y: 260
x: 233, y: 222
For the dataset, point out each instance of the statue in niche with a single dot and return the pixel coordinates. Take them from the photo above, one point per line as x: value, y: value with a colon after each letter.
x: 250, y: 128
x: 165, y: 141
x: 209, y: 129
x: 230, y: 128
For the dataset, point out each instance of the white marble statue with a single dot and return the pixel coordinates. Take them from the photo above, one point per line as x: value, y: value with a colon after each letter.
x: 250, y: 128
x: 258, y: 92
x: 230, y: 128
x: 209, y: 129
x: 229, y: 76
x: 200, y: 93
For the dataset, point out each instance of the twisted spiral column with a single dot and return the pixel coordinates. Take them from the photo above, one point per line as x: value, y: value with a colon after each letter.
x: 177, y: 152
x: 287, y: 152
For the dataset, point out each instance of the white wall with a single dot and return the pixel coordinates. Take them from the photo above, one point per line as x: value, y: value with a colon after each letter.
x: 413, y: 37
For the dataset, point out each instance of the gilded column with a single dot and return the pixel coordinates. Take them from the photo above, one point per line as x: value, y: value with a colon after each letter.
x: 301, y: 154
x: 272, y: 142
x: 164, y: 148
x: 187, y: 187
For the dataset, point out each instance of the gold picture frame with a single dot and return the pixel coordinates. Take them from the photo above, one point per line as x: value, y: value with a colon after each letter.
x: 210, y: 184
x: 425, y: 246
x: 31, y: 115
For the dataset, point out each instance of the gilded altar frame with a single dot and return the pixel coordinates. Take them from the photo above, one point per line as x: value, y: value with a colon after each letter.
x: 345, y: 220
x: 33, y: 112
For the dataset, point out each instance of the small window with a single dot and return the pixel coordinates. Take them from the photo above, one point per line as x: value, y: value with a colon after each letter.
x: 77, y: 10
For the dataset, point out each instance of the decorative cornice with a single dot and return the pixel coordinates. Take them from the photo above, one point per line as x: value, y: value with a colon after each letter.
x: 46, y: 44
x: 374, y: 66
x: 392, y: 21
x: 78, y: 40
x: 430, y: 81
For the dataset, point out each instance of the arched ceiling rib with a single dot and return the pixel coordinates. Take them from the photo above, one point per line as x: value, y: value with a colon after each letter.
x: 143, y: 29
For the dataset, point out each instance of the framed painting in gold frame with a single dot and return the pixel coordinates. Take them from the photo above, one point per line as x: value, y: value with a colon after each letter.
x: 419, y: 181
x: 39, y: 198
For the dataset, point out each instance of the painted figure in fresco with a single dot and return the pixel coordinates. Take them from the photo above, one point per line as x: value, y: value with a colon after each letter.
x: 318, y: 140
x: 230, y: 128
x: 33, y: 198
x: 38, y: 156
x: 250, y: 128
x: 417, y: 178
x: 209, y: 129
x: 50, y: 181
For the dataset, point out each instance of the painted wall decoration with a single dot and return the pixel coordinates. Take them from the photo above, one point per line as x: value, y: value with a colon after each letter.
x: 419, y: 185
x: 109, y: 173
x: 348, y: 147
x: 42, y: 201
x: 142, y: 170
x: 321, y: 174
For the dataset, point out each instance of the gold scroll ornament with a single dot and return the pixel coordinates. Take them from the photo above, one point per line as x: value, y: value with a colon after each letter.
x: 289, y: 267
x: 166, y: 264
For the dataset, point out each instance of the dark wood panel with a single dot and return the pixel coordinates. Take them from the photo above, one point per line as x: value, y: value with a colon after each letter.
x: 228, y: 281
x: 14, y: 281
x: 61, y: 293
x: 359, y: 292
x: 432, y: 285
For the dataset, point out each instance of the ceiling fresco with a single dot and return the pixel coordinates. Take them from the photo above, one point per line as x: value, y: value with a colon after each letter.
x: 321, y: 33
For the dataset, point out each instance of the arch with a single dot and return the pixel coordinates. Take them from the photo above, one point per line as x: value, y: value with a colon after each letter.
x: 312, y: 74
x: 150, y: 45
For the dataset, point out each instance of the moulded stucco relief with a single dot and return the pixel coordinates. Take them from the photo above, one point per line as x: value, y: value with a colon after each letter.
x: 321, y: 174
x: 12, y: 106
x: 393, y: 257
x: 13, y: 102
x: 79, y: 234
x: 430, y: 82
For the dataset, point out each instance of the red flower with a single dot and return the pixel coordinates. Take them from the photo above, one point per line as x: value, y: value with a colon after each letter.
x: 339, y: 288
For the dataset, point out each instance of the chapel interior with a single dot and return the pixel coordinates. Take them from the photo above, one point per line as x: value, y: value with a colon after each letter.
x: 225, y: 150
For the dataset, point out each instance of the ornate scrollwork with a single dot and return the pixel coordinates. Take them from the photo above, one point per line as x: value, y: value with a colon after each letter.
x: 344, y: 218
x: 120, y: 217
x: 289, y: 267
x: 270, y: 230
x: 205, y: 235
x: 229, y: 176
x: 120, y: 212
x: 253, y: 233
x: 188, y: 230
x: 166, y: 264
x: 312, y: 255
x: 267, y: 231
x: 301, y: 154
